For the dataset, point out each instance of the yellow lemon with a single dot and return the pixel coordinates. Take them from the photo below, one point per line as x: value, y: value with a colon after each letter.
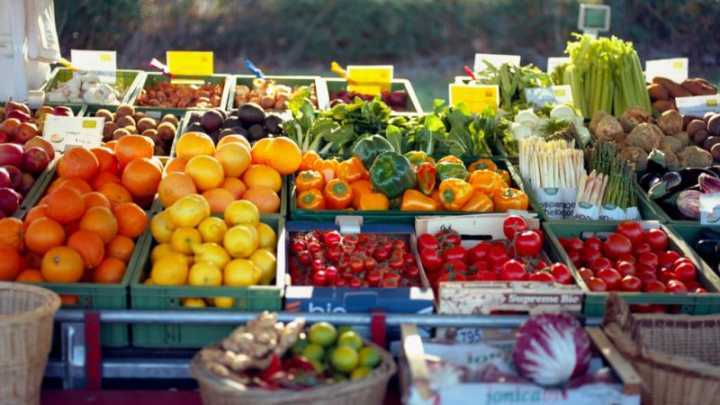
x: 241, y: 241
x: 267, y: 239
x: 207, y: 173
x: 212, y: 253
x: 266, y: 262
x: 234, y: 158
x: 193, y: 144
x: 234, y: 138
x: 185, y: 240
x: 161, y: 227
x: 189, y: 211
x: 193, y: 303
x: 212, y: 229
x: 242, y: 212
x: 241, y: 273
x: 205, y: 274
x: 171, y: 269
x: 223, y: 302
x: 161, y: 250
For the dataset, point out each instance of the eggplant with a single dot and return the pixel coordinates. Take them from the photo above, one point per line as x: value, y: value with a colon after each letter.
x: 656, y: 163
x: 688, y: 203
x: 690, y: 176
x: 707, y: 233
x: 709, y: 250
x: 709, y: 184
x: 669, y: 183
x: 715, y: 169
x: 647, y: 180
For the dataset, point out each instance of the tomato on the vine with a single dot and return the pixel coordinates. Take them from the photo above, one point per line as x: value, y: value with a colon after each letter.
x: 431, y: 260
x: 427, y: 241
x: 513, y: 270
x: 497, y: 254
x: 610, y: 276
x: 561, y: 273
x: 478, y: 252
x: 513, y: 225
x: 528, y: 244
x: 454, y: 253
x: 657, y: 239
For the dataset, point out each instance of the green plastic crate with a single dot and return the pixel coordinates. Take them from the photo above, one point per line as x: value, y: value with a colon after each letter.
x: 126, y: 81
x: 594, y: 306
x: 298, y: 214
x: 690, y: 233
x: 655, y: 211
x: 292, y: 81
x: 150, y: 297
x: 413, y: 106
x: 150, y: 78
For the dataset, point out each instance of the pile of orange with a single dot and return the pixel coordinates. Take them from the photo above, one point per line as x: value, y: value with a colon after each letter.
x: 229, y: 171
x: 84, y: 228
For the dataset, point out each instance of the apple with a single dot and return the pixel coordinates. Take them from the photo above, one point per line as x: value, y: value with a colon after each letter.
x: 35, y: 160
x: 43, y: 143
x: 26, y: 183
x: 25, y: 132
x: 10, y: 154
x: 15, y: 176
x: 5, y: 178
x: 15, y: 106
x: 9, y: 200
x: 20, y: 115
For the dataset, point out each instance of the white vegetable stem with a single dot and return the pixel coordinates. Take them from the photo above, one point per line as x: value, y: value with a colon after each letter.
x: 546, y: 164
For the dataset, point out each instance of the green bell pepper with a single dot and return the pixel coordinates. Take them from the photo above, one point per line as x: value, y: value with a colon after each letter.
x: 451, y: 170
x: 417, y: 157
x: 367, y: 149
x: 392, y: 174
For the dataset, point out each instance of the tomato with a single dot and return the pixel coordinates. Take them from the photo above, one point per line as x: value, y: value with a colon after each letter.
x: 593, y: 243
x: 396, y: 262
x: 485, y: 275
x: 699, y: 290
x: 528, y: 244
x: 597, y: 284
x: 331, y: 274
x: 340, y: 282
x: 331, y: 238
x: 373, y: 278
x: 657, y: 239
x: 646, y: 276
x: 666, y: 275
x: 600, y: 263
x: 298, y: 246
x: 642, y: 248
x: 392, y: 281
x: 691, y: 285
x: 427, y: 241
x: 667, y: 258
x: 319, y: 278
x: 588, y: 254
x: 610, y: 276
x: 615, y: 245
x: 571, y: 244
x: 631, y: 230
x: 625, y: 268
x: 680, y: 261
x: 497, y: 254
x: 314, y: 247
x: 454, y: 253
x: 333, y: 254
x: 513, y: 270
x: 685, y: 271
x: 430, y: 259
x: 561, y: 273
x: 586, y: 273
x: 317, y: 265
x: 305, y: 258
x: 540, y: 265
x: 480, y: 265
x: 381, y: 253
x: 355, y: 282
x: 628, y: 257
x: 542, y: 276
x: 455, y: 266
x: 478, y: 252
x: 649, y: 259
x: 575, y: 258
x: 357, y: 265
x: 630, y: 283
x: 654, y: 286
x: 411, y: 272
x: 448, y: 237
x: 369, y: 263
x: 513, y: 225
x: 676, y: 286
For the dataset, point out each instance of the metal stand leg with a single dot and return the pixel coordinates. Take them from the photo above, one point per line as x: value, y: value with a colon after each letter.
x: 73, y: 355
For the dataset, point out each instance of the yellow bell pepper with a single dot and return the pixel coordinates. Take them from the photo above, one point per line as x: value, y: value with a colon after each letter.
x: 487, y: 181
x: 454, y: 193
x: 371, y: 201
x: 479, y: 202
x: 414, y: 200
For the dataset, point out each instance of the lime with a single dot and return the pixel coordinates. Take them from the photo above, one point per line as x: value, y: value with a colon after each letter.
x: 369, y: 357
x: 360, y: 373
x: 350, y: 338
x: 343, y: 329
x: 323, y: 334
x: 299, y: 346
x: 313, y: 352
x: 344, y: 359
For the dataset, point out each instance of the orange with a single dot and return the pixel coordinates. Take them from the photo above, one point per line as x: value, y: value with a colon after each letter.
x: 81, y: 186
x: 78, y: 163
x: 30, y: 276
x: 234, y: 158
x: 206, y: 172
x: 116, y: 193
x: 262, y: 151
x: 56, y: 184
x: 38, y: 211
x: 234, y: 138
x: 132, y: 220
x: 103, y: 178
x: 11, y: 233
x: 110, y: 271
x: 262, y: 176
x: 62, y: 264
x: 106, y: 158
x: 176, y: 165
x: 101, y: 221
x: 219, y: 199
x: 193, y: 144
x: 131, y: 147
x: 121, y: 247
x: 141, y: 178
x: 287, y: 155
x: 111, y: 145
x: 44, y: 234
x: 173, y: 186
x: 89, y: 245
x: 10, y: 264
x: 189, y: 211
x: 96, y: 199
x: 235, y: 186
x: 65, y: 205
x: 264, y: 198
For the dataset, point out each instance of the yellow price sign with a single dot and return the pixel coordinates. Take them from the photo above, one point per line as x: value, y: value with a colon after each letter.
x: 713, y: 102
x: 190, y: 63
x: 477, y: 98
x: 369, y: 79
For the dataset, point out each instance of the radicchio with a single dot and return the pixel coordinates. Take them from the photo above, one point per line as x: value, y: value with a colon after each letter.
x: 551, y: 349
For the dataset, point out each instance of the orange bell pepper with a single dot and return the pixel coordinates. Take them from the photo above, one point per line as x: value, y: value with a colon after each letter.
x: 510, y: 199
x: 311, y: 200
x: 479, y: 202
x: 359, y: 188
x: 338, y: 194
x: 328, y: 168
x: 307, y: 179
x: 482, y: 164
x: 308, y: 158
x: 436, y: 196
x: 487, y: 181
x: 414, y: 200
x: 352, y: 169
x: 451, y: 159
x: 505, y: 175
x: 454, y: 193
x: 371, y: 201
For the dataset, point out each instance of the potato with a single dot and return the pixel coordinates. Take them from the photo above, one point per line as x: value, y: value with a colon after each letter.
x: 694, y: 126
x: 657, y: 92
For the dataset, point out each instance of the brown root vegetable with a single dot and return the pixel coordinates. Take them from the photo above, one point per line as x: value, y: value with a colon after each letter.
x: 710, y: 142
x: 607, y: 128
x: 670, y: 122
x: 683, y: 138
x: 713, y: 125
x: 694, y: 126
x: 657, y: 92
x: 645, y: 136
x: 699, y: 87
x: 700, y: 136
x: 632, y: 117
x: 672, y: 144
x: 637, y: 156
x: 663, y: 105
x: 673, y: 88
x: 715, y: 152
x: 672, y: 162
x: 694, y: 156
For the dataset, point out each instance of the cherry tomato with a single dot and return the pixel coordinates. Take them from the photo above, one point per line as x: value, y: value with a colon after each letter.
x: 588, y: 254
x: 586, y: 273
x: 654, y: 286
x: 411, y: 272
x: 676, y: 286
x: 597, y: 284
x: 572, y: 244
x: 625, y: 268
x: 298, y: 246
x: 646, y: 276
x: 427, y: 241
x: 373, y: 278
x: 575, y: 258
x: 657, y: 239
x: 454, y: 253
x: 319, y: 278
x: 666, y: 275
x: 632, y: 230
x: 593, y: 243
x: 331, y: 274
x: 610, y: 276
x: 317, y: 265
x: 396, y: 262
x: 685, y: 271
x: 497, y: 254
x: 331, y: 238
x: 600, y: 263
x: 528, y: 244
x: 333, y: 253
x: 561, y: 273
x: 630, y: 283
x: 357, y: 265
x: 615, y: 245
x: 513, y: 270
x: 649, y: 259
x: 448, y: 237
x: 381, y: 253
x: 305, y: 258
x: 514, y: 224
x: 340, y: 282
x: 641, y: 248
x: 454, y: 266
x: 480, y: 265
x: 628, y: 257
x: 314, y: 247
x: 369, y: 263
x: 478, y: 252
x: 355, y: 282
x: 542, y: 276
x: 485, y: 275
x: 390, y: 281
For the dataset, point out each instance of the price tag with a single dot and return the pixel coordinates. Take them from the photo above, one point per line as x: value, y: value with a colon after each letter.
x: 103, y: 62
x: 710, y: 209
x: 697, y: 106
x: 476, y: 97
x: 69, y: 132
x: 555, y: 61
x: 369, y: 79
x: 675, y: 69
x: 190, y: 63
x: 540, y: 96
x: 494, y: 59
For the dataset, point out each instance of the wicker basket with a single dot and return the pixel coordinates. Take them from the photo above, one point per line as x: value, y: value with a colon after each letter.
x: 367, y: 391
x: 26, y: 323
x: 677, y: 356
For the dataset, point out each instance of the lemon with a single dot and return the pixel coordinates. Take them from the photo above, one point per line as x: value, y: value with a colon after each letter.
x: 266, y: 236
x: 161, y: 227
x: 241, y: 241
x: 160, y: 251
x: 242, y: 212
x: 212, y: 229
x: 193, y: 303
x: 189, y: 211
x: 171, y: 269
x: 185, y: 240
x: 241, y: 273
x: 204, y: 274
x: 212, y: 253
x: 223, y: 302
x: 265, y: 260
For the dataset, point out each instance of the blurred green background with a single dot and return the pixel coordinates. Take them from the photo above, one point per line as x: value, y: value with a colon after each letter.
x: 428, y: 41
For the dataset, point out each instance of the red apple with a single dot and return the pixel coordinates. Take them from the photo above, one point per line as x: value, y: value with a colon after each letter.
x: 41, y: 143
x: 35, y: 160
x: 10, y: 154
x: 63, y: 110
x: 20, y: 115
x: 14, y: 105
x: 9, y: 200
x: 26, y: 183
x: 15, y: 176
x: 25, y: 132
x: 4, y: 178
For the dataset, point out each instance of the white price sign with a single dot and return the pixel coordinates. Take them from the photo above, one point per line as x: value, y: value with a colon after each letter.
x: 103, y: 62
x: 539, y: 96
x: 710, y: 209
x: 555, y: 61
x: 68, y: 132
x: 697, y: 106
x: 494, y: 59
x: 675, y: 69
